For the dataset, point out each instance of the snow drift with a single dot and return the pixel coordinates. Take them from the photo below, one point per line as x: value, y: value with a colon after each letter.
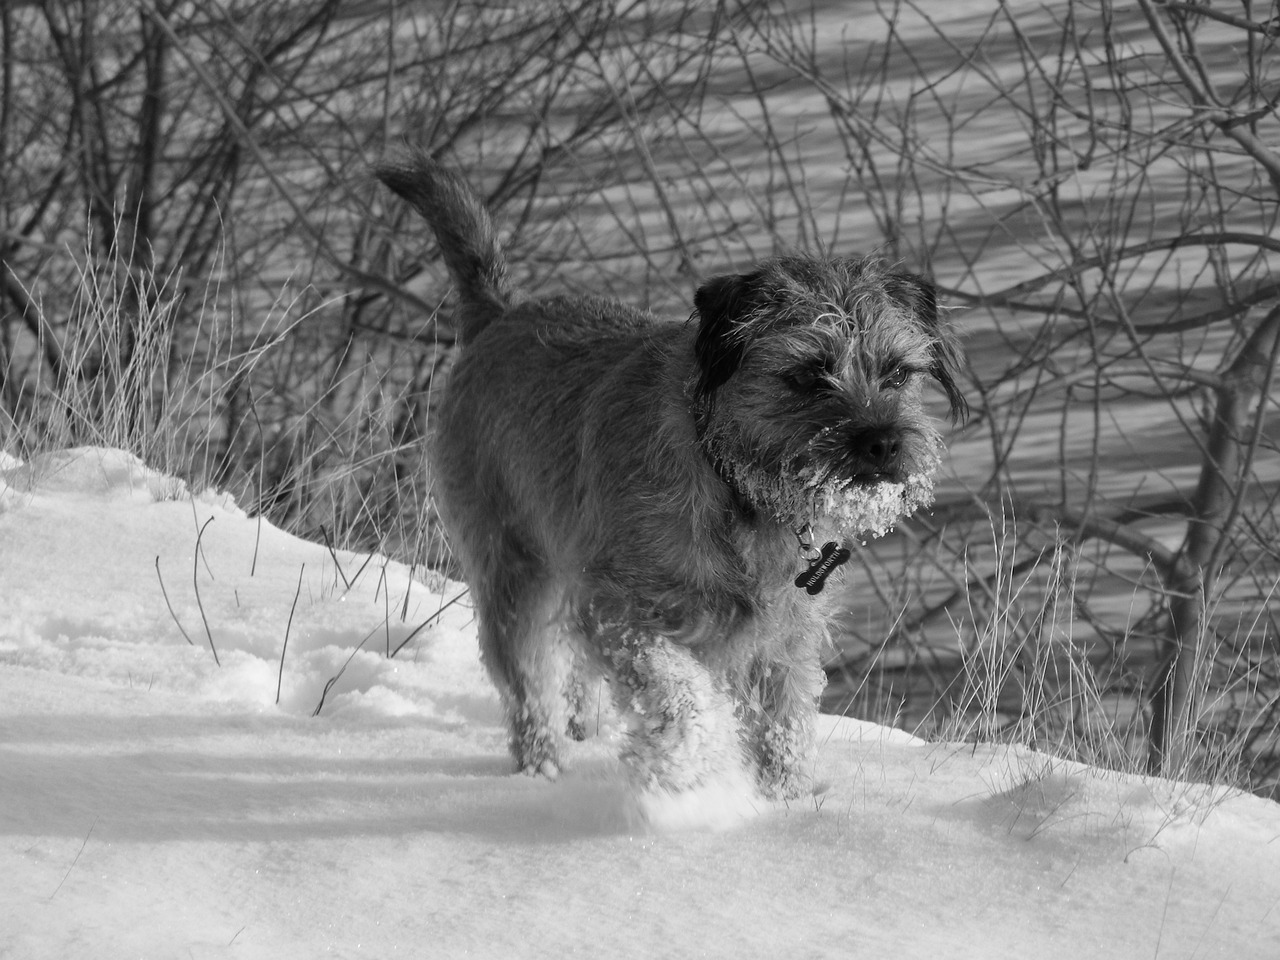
x: 337, y: 782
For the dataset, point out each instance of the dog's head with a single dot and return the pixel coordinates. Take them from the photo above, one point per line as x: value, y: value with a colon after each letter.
x: 813, y: 372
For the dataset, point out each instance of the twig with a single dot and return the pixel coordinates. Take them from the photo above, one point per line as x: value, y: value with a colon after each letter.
x: 76, y: 860
x: 404, y: 607
x: 195, y: 518
x: 1206, y: 102
x: 324, y: 532
x: 386, y: 607
x: 426, y: 623
x: 257, y: 533
x: 360, y: 570
x: 1269, y: 28
x: 165, y: 593
x: 195, y: 582
x: 337, y: 676
x: 297, y: 593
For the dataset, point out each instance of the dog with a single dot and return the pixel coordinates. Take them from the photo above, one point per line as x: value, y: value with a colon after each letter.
x: 638, y: 499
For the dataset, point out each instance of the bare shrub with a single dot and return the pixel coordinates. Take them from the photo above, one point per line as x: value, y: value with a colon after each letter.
x: 224, y: 147
x: 1092, y: 187
x: 1095, y: 186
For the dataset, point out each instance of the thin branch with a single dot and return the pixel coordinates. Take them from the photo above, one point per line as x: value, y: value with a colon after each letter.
x: 337, y: 676
x: 76, y: 860
x: 427, y: 622
x: 170, y: 605
x: 195, y: 581
x: 1270, y: 28
x: 287, y: 627
x: 1207, y: 102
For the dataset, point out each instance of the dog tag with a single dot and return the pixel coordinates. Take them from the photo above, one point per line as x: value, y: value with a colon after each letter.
x: 813, y: 579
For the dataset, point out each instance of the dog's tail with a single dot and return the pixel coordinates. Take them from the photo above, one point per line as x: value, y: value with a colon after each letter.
x: 464, y: 230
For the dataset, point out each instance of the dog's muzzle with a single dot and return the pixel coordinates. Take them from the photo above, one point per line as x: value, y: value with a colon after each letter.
x: 871, y: 455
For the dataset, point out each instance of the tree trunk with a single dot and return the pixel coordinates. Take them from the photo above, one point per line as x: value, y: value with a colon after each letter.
x: 1228, y: 454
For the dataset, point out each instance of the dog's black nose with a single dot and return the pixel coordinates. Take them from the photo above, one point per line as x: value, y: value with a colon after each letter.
x: 881, y: 452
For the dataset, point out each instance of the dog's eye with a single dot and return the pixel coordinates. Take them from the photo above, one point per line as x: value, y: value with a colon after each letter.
x: 897, y: 377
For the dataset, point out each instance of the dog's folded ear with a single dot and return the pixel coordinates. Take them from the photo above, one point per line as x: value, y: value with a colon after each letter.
x: 722, y: 305
x: 917, y: 296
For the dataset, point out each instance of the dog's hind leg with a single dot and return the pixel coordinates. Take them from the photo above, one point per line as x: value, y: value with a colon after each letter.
x: 528, y: 655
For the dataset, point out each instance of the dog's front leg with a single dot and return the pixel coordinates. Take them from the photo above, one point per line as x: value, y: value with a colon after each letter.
x: 779, y: 708
x: 682, y: 728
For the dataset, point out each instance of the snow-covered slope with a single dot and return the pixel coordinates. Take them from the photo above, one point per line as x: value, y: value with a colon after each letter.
x: 156, y: 804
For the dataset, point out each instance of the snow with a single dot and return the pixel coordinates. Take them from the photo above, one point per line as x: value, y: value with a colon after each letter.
x: 155, y: 804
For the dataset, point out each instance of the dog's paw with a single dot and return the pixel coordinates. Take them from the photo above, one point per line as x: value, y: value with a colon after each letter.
x: 722, y: 803
x: 784, y: 785
x: 544, y: 768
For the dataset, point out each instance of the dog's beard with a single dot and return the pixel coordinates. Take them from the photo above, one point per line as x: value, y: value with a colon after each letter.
x: 850, y: 508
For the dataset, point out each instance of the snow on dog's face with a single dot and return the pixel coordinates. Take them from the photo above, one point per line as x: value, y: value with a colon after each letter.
x: 840, y: 508
x: 811, y: 376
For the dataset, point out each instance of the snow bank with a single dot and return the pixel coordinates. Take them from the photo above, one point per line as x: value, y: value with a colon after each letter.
x: 156, y: 804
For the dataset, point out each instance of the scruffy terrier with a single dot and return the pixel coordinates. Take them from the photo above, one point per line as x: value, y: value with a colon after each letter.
x: 638, y: 498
